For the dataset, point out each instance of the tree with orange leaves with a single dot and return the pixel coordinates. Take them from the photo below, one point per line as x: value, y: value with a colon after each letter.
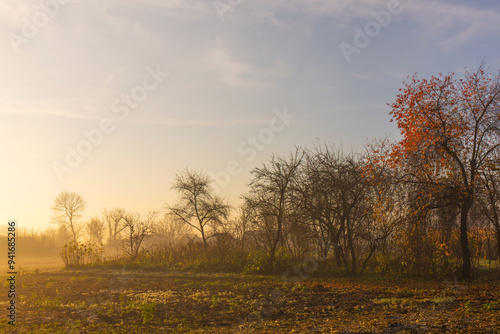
x: 450, y: 131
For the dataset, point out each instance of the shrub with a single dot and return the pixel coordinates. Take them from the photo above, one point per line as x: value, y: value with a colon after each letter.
x: 257, y: 262
x: 77, y: 254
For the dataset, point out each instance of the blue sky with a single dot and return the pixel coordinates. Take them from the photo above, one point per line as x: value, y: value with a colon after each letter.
x: 225, y: 78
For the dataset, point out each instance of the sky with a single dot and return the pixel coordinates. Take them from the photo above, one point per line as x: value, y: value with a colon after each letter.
x: 110, y: 99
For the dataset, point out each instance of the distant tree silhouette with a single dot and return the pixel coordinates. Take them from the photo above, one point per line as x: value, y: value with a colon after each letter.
x: 115, y: 223
x: 136, y: 229
x: 198, y: 206
x: 95, y: 231
x: 67, y: 210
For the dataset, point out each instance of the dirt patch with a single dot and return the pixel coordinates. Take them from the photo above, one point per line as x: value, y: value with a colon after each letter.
x: 120, y: 301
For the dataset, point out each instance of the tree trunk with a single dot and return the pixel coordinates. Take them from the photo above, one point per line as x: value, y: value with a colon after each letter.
x: 202, y: 230
x: 351, y: 247
x: 373, y: 246
x: 337, y: 253
x: 272, y: 256
x: 464, y: 241
x: 131, y: 247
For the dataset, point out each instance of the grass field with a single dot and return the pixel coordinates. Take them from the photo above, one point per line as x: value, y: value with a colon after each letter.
x: 119, y: 301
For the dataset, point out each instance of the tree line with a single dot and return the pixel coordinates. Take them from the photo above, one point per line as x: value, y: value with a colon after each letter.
x: 425, y: 204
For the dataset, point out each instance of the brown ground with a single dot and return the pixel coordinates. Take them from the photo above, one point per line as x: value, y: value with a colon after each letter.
x: 119, y: 301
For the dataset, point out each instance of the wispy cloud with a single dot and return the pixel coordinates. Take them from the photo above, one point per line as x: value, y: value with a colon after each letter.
x: 454, y: 25
x: 228, y: 69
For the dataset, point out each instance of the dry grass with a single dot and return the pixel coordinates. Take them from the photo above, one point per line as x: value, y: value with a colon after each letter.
x: 119, y: 301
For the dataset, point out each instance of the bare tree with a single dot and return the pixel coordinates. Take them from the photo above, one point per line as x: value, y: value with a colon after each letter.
x: 136, y: 228
x: 67, y: 210
x: 198, y: 206
x: 115, y: 223
x: 170, y: 231
x: 242, y: 225
x: 95, y: 231
x: 271, y: 195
